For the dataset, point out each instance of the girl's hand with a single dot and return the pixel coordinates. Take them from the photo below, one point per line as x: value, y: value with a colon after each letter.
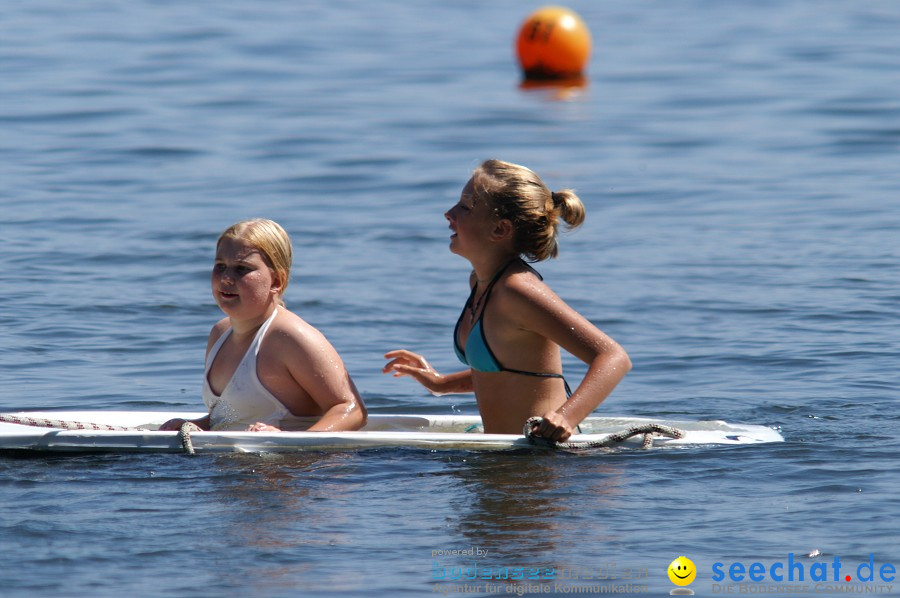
x: 407, y: 363
x: 555, y: 427
x: 173, y: 425
x: 261, y: 427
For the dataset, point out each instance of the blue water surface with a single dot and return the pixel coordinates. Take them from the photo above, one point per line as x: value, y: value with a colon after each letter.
x: 738, y: 162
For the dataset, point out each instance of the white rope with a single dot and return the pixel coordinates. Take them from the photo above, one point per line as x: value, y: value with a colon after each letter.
x: 184, y: 433
x: 648, y: 430
x: 41, y: 422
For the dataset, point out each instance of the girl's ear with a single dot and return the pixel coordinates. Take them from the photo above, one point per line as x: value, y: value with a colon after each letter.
x: 502, y: 229
x: 277, y: 282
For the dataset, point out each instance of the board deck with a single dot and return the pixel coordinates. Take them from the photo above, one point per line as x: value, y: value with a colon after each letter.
x: 433, y: 432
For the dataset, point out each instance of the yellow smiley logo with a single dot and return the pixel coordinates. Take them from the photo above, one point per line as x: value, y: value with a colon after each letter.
x: 682, y: 571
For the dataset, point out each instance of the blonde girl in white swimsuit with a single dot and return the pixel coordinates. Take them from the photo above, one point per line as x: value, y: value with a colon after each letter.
x: 266, y: 368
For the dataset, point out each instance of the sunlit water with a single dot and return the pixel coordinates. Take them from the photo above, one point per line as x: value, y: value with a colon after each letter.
x: 739, y: 166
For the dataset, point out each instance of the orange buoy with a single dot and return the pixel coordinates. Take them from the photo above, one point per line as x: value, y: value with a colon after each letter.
x: 553, y: 43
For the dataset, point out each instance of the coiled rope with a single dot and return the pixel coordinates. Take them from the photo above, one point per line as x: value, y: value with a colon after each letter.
x: 184, y: 433
x: 648, y: 430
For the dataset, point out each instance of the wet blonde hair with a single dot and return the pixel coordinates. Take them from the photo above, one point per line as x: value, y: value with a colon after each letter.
x: 518, y: 194
x: 272, y: 242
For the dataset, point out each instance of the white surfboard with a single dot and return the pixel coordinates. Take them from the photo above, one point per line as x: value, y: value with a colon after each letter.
x: 435, y: 432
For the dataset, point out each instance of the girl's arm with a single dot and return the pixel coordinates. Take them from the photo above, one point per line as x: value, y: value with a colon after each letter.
x: 407, y: 363
x: 316, y: 366
x: 536, y: 308
x: 348, y: 414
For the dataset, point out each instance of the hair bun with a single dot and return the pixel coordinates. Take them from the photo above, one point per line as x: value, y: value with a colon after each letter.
x: 518, y: 194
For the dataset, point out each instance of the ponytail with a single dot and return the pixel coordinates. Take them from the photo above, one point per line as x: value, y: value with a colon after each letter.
x: 518, y: 194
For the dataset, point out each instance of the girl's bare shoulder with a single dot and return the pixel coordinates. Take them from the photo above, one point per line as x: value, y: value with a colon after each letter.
x: 219, y: 329
x: 524, y: 284
x: 290, y: 329
x: 216, y: 333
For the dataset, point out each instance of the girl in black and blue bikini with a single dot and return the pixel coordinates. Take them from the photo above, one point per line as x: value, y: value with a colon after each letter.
x: 513, y: 325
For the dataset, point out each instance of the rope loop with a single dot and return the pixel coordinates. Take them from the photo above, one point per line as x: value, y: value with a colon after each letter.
x: 184, y: 434
x: 648, y: 431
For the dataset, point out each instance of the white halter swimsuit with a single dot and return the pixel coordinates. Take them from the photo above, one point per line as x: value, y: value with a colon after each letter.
x: 245, y: 400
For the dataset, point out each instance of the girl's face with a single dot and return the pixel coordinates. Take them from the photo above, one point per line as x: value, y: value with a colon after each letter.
x: 470, y: 222
x: 243, y: 285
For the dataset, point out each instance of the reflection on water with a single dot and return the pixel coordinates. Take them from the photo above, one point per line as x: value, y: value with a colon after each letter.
x: 285, y: 516
x: 524, y: 507
x: 268, y: 505
x: 557, y: 89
